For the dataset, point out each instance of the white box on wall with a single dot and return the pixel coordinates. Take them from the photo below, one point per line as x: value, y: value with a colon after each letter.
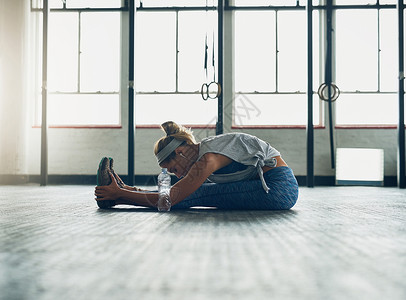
x: 359, y: 166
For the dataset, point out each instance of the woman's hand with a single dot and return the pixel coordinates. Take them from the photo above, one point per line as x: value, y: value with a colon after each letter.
x: 108, y: 192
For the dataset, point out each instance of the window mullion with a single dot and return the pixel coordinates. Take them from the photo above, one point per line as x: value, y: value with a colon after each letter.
x: 379, y: 51
x: 177, y: 52
x: 79, y: 48
x: 277, y: 51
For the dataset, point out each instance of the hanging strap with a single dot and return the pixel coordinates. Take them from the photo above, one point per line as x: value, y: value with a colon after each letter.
x: 206, y: 54
x: 206, y: 46
x: 206, y: 50
x: 213, y: 61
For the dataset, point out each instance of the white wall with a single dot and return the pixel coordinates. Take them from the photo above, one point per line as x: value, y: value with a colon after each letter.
x: 13, y: 92
x: 78, y: 151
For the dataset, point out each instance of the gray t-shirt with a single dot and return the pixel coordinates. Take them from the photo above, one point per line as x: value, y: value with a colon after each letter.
x: 242, y: 148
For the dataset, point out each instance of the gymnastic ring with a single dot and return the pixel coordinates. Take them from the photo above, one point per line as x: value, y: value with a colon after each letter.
x: 204, y: 91
x: 336, y: 92
x: 321, y: 90
x: 334, y: 96
x: 218, y: 90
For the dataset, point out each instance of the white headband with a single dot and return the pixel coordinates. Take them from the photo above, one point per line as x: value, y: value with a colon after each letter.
x: 167, y: 150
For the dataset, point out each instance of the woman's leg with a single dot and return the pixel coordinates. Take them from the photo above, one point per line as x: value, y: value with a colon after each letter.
x: 283, y: 193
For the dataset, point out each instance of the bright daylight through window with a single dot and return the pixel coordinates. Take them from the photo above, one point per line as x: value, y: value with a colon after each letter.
x: 170, y: 55
x: 83, y: 66
x: 366, y: 67
x: 269, y: 72
x: 270, y: 68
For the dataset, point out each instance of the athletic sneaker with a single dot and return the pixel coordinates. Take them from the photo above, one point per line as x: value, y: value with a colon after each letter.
x: 103, y: 178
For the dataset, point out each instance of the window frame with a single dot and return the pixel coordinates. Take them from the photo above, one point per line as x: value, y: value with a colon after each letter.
x: 320, y: 122
x: 322, y: 7
x: 176, y: 10
x: 319, y: 7
x: 377, y: 7
x: 36, y: 6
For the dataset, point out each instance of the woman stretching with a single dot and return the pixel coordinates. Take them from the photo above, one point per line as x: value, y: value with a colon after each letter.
x: 228, y: 171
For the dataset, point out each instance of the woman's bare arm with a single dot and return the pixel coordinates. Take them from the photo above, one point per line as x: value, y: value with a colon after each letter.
x: 196, y: 176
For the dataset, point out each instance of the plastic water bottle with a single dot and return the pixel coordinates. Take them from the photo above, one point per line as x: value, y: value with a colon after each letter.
x: 164, y: 187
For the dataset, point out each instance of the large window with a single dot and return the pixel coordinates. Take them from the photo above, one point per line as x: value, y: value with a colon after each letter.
x: 170, y: 56
x: 83, y: 65
x: 270, y: 62
x: 271, y: 67
x: 366, y: 66
x: 269, y: 52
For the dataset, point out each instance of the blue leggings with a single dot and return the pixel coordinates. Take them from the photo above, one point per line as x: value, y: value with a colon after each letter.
x: 283, y: 193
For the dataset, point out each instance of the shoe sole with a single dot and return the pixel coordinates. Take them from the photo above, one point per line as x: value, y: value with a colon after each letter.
x: 103, y: 178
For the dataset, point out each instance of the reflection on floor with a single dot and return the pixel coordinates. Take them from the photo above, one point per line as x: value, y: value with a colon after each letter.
x: 336, y: 243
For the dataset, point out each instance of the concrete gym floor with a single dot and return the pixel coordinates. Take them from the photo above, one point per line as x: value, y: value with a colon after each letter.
x: 336, y: 243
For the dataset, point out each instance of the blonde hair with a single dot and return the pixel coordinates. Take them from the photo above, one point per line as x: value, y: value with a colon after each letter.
x: 174, y: 131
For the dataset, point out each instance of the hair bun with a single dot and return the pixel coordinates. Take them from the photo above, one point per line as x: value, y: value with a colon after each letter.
x: 170, y: 128
x: 174, y: 131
